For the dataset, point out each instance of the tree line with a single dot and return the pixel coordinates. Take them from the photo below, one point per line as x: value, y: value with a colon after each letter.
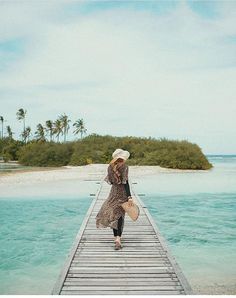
x: 50, y: 131
x: 96, y: 148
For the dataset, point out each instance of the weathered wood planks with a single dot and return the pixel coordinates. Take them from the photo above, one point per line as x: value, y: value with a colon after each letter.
x: 143, y: 266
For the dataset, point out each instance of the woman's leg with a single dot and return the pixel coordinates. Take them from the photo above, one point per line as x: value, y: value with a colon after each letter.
x: 114, y: 232
x: 118, y: 232
x: 120, y: 226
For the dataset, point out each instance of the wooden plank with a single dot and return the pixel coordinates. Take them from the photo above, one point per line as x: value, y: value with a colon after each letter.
x: 130, y: 229
x: 124, y: 238
x: 120, y: 280
x: 120, y: 259
x: 118, y: 266
x: 111, y: 248
x: 133, y: 241
x: 124, y: 253
x: 101, y: 258
x: 134, y: 232
x: 103, y: 270
x: 123, y: 288
x: 171, y: 285
x: 131, y: 244
x: 137, y: 276
x: 131, y: 292
x: 123, y: 283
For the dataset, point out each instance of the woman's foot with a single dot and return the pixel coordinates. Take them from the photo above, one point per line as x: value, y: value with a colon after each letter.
x: 115, y: 237
x: 118, y: 243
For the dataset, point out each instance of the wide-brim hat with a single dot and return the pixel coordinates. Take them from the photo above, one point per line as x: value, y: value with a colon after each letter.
x: 133, y: 210
x: 120, y: 153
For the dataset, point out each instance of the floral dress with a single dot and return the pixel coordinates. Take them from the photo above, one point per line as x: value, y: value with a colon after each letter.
x: 111, y: 209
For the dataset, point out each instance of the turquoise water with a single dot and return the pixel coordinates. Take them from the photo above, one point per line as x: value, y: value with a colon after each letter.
x: 35, y: 237
x: 10, y: 167
x: 196, y: 213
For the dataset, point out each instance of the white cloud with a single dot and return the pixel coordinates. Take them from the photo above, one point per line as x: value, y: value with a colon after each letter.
x: 127, y: 72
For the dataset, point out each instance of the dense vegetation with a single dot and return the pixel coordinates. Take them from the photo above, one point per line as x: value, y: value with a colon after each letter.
x: 46, y: 147
x: 98, y: 149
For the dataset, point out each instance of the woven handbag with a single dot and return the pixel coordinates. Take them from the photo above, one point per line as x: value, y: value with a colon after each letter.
x: 133, y: 211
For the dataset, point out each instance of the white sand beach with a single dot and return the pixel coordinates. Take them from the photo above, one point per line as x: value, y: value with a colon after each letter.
x: 68, y: 180
x: 91, y: 171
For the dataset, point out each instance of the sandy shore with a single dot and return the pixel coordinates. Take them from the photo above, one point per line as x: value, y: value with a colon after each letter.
x: 88, y: 172
x: 68, y: 180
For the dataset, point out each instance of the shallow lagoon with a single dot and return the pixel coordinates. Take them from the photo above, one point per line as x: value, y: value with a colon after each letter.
x: 38, y: 226
x: 36, y: 236
x: 11, y: 167
x: 195, y: 212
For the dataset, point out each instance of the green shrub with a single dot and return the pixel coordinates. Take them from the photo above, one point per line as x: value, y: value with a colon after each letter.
x: 10, y: 148
x: 78, y: 160
x: 7, y: 157
x: 45, y: 154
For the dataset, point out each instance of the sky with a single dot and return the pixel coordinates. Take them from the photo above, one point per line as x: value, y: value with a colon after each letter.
x: 165, y: 69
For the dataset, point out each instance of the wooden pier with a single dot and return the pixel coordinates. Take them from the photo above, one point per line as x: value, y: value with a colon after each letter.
x: 143, y: 266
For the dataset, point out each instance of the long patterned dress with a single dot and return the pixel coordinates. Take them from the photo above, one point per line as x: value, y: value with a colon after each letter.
x: 111, y: 209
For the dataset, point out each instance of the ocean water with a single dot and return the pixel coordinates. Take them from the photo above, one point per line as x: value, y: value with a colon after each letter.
x: 196, y: 213
x: 35, y: 238
x: 11, y: 167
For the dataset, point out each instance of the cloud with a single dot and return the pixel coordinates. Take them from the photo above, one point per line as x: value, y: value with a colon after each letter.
x: 126, y: 70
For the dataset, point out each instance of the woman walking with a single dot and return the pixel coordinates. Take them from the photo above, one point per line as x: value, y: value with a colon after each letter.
x: 111, y: 213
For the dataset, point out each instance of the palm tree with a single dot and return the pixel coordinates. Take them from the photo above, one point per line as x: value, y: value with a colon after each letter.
x: 2, y: 120
x: 40, y: 132
x: 79, y: 127
x: 26, y: 134
x: 21, y: 116
x: 65, y: 125
x: 9, y: 131
x: 49, y: 128
x: 58, y: 129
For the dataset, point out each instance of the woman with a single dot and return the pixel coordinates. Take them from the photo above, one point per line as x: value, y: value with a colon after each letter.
x: 111, y: 213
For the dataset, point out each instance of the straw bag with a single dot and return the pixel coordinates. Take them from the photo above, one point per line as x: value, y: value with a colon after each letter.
x: 133, y: 211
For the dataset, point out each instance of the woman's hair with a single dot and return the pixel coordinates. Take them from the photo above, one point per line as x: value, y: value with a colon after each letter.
x: 115, y: 167
x: 118, y: 160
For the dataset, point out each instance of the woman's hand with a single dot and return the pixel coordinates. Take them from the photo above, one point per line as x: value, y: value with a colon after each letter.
x: 130, y: 202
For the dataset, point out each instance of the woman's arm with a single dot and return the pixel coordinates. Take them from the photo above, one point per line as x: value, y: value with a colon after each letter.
x: 127, y: 189
x: 126, y: 182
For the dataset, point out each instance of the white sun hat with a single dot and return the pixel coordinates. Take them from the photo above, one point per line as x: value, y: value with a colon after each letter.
x: 120, y: 153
